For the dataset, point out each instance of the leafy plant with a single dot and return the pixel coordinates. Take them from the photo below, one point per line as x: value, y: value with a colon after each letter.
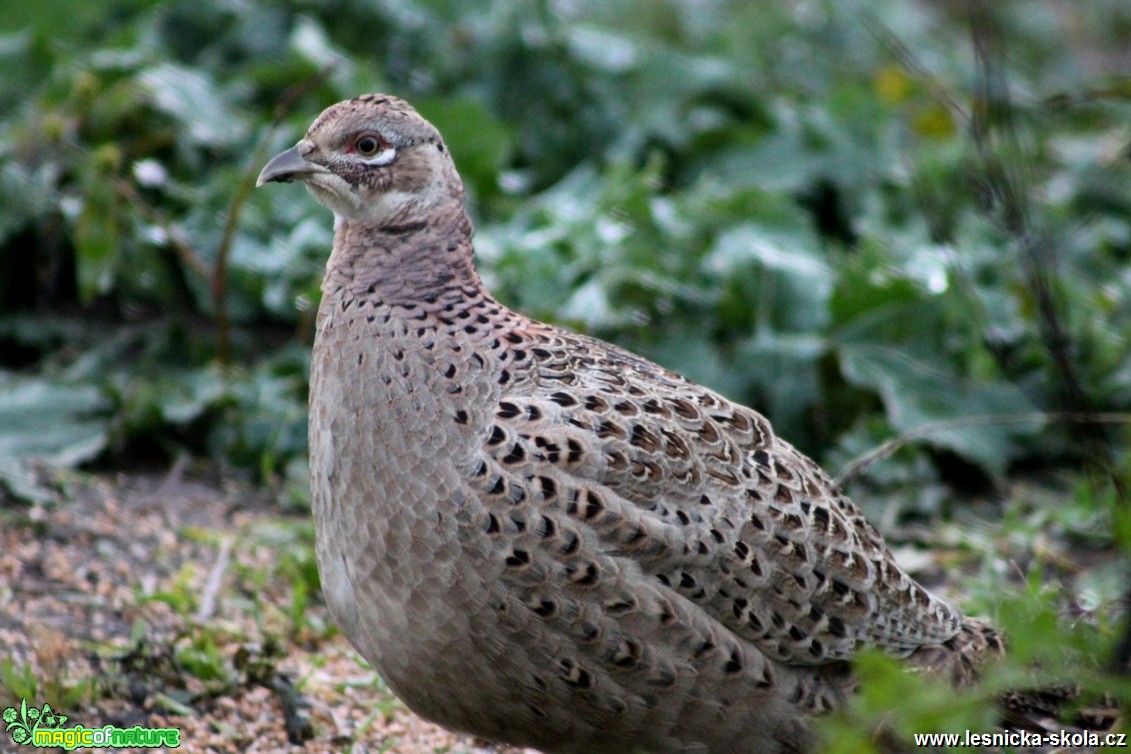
x: 825, y: 239
x: 887, y: 224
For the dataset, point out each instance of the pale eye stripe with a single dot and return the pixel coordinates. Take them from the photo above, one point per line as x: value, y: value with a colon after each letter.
x: 385, y: 157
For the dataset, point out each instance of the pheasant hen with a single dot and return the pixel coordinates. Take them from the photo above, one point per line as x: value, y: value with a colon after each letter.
x: 542, y: 539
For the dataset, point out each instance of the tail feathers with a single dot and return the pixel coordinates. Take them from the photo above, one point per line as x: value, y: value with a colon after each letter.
x: 1056, y: 708
x: 961, y: 657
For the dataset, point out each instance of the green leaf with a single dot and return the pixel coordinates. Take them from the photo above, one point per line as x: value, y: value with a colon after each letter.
x: 46, y: 422
x: 785, y: 367
x: 193, y: 100
x: 793, y: 294
x: 61, y: 424
x: 921, y: 391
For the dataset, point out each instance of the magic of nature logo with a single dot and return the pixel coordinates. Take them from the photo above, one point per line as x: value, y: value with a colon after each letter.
x: 42, y: 727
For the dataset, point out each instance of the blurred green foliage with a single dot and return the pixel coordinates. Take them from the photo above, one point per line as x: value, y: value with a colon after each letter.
x: 835, y: 212
x: 866, y: 219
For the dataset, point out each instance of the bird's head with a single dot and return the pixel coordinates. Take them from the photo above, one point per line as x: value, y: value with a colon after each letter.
x: 372, y: 158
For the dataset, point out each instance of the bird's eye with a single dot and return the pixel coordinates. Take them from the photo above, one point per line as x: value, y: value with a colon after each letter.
x: 367, y: 144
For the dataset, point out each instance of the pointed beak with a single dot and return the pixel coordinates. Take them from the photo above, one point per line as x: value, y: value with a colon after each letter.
x: 287, y: 166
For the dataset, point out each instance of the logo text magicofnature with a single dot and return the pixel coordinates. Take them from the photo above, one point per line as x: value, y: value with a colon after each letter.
x: 43, y: 727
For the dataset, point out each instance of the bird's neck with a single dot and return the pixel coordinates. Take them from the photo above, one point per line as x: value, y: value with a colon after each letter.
x: 410, y: 261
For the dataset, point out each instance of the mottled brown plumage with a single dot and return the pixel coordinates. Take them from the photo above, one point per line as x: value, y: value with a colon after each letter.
x: 543, y: 539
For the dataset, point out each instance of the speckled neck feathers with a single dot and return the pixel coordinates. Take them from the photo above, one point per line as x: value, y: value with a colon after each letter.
x: 419, y: 261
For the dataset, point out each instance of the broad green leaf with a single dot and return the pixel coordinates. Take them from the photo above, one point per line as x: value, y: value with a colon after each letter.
x: 865, y: 288
x: 57, y: 423
x: 794, y: 295
x: 192, y: 98
x: 921, y: 393
x: 784, y: 366
x: 188, y: 397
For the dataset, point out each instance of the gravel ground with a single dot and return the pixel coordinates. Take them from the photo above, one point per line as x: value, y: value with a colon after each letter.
x: 158, y: 601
